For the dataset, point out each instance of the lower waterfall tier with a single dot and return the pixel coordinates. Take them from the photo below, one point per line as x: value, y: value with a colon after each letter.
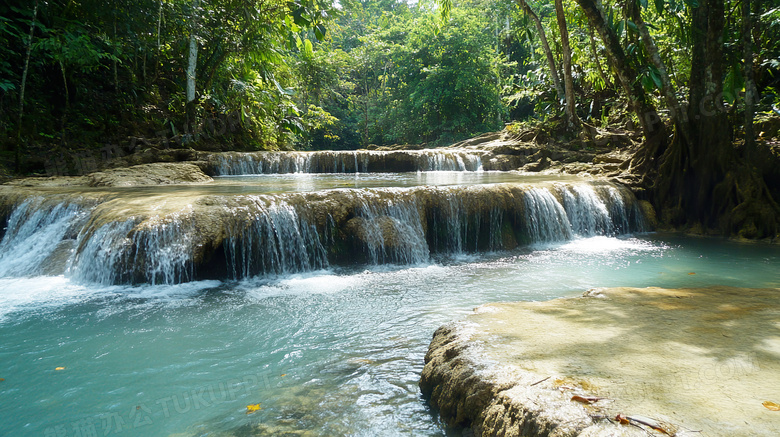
x: 109, y: 238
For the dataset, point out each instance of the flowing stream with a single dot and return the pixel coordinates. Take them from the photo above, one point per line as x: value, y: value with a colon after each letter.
x: 154, y: 341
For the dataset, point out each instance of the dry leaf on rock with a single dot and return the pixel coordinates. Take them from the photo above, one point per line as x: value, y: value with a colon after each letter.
x: 585, y: 399
x: 771, y: 406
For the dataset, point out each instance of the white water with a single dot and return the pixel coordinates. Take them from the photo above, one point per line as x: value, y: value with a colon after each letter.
x: 334, y: 352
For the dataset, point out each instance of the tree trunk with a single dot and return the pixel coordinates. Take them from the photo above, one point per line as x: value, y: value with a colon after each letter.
x: 116, y: 58
x: 193, y: 54
x: 159, y: 28
x: 652, y: 127
x: 17, y: 147
x: 604, y: 77
x: 571, y: 116
x: 678, y: 114
x: 365, y: 111
x: 64, y: 121
x: 191, y: 66
x: 708, y: 185
x: 545, y: 47
x: 750, y: 83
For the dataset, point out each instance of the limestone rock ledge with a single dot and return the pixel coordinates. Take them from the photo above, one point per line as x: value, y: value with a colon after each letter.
x: 161, y: 173
x: 689, y: 362
x: 497, y: 400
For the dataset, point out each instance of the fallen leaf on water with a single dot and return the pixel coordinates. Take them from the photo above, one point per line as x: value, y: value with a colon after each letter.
x: 692, y: 273
x: 2, y: 379
x: 585, y: 399
x: 283, y: 375
x: 622, y: 419
x: 771, y: 406
x: 59, y: 368
x: 252, y: 408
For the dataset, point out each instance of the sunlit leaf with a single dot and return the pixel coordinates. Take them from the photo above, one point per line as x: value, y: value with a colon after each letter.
x: 308, y: 49
x: 59, y: 368
x: 771, y: 406
x: 252, y: 408
x: 586, y: 399
x: 319, y: 32
x: 656, y: 76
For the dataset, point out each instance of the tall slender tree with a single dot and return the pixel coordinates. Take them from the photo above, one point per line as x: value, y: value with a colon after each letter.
x: 571, y: 115
x: 545, y: 47
x: 22, y: 88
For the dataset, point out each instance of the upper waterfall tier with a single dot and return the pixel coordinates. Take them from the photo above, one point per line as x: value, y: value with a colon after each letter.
x: 178, y: 234
x: 346, y: 161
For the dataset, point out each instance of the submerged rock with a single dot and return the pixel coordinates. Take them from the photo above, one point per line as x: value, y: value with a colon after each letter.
x: 616, y: 362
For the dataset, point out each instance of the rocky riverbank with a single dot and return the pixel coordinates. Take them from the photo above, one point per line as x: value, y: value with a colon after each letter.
x: 616, y: 362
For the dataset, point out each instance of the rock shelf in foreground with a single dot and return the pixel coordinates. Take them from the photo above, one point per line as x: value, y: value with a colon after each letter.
x: 692, y: 362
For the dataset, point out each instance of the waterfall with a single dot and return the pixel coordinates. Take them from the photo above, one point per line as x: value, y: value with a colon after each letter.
x: 101, y: 253
x: 546, y: 218
x: 240, y: 236
x: 391, y: 230
x: 36, y: 232
x: 274, y: 239
x: 357, y: 161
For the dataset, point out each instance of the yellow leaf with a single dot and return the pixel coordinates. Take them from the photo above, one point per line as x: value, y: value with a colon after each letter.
x: 771, y: 406
x: 283, y: 375
x: 252, y: 408
x: 692, y: 273
x: 60, y: 368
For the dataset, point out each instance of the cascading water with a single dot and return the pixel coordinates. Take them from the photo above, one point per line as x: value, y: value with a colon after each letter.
x: 391, y: 230
x: 273, y: 240
x: 36, y: 231
x: 243, y: 236
x: 359, y: 161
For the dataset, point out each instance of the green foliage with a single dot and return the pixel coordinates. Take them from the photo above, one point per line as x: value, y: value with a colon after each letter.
x: 395, y: 75
x: 303, y: 73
